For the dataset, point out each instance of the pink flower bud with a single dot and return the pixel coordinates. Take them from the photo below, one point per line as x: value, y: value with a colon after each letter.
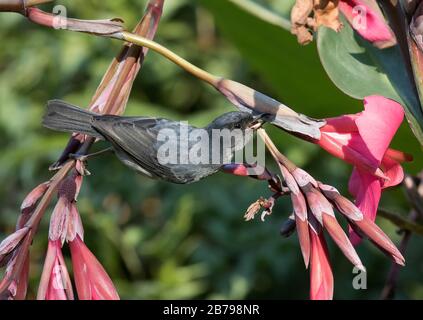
x: 289, y: 180
x: 341, y: 239
x: 59, y: 220
x: 11, y: 242
x: 74, y: 227
x: 345, y: 206
x: 55, y: 283
x: 318, y: 204
x: 65, y: 222
x: 303, y: 178
x: 368, y: 228
x: 33, y: 197
x: 300, y: 210
x: 321, y: 277
x: 92, y: 281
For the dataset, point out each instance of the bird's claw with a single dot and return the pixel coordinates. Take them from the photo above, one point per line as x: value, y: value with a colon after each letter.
x: 78, y: 157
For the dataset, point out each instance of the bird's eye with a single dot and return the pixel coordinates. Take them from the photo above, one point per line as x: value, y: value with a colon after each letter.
x: 237, y: 126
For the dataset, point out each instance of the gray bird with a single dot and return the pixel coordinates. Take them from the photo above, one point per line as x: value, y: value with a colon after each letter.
x: 139, y: 141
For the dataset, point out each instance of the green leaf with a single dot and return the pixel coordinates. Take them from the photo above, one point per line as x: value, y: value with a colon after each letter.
x: 292, y: 71
x: 265, y: 14
x: 359, y: 69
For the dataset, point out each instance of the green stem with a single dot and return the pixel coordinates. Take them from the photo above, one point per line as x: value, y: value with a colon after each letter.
x: 276, y: 154
x: 184, y: 64
x: 401, y: 222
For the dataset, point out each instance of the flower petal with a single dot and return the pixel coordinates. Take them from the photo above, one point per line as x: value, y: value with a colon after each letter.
x: 88, y: 269
x: 33, y: 197
x: 338, y: 235
x: 11, y: 242
x: 398, y: 156
x: 378, y: 124
x: 300, y: 211
x: 368, y: 228
x: 341, y: 124
x: 393, y: 171
x: 351, y: 148
x: 55, y: 281
x: 80, y: 271
x: 367, y: 190
x: 367, y: 19
x: 321, y: 277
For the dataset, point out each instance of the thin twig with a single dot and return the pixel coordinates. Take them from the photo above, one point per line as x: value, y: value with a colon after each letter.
x: 401, y: 222
x: 276, y: 154
x: 389, y: 290
x: 184, y: 64
x: 413, y: 191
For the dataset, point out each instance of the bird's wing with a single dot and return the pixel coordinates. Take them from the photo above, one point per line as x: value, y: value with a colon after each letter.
x: 137, y: 140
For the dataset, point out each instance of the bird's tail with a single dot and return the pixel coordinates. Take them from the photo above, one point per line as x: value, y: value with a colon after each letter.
x: 62, y: 116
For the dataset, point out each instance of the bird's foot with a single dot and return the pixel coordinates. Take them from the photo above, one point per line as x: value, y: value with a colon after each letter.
x: 85, y: 157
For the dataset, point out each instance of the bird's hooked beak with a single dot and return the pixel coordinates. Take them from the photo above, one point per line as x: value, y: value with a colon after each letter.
x: 258, y: 121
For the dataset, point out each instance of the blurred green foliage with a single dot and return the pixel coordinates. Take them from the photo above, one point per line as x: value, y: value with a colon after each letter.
x: 159, y: 240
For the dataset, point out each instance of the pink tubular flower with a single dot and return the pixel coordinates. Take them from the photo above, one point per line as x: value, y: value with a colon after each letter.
x: 367, y: 19
x: 321, y: 277
x: 55, y: 283
x: 92, y: 281
x: 363, y: 140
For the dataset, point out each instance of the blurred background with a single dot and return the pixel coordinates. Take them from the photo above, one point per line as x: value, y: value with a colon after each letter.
x: 163, y: 241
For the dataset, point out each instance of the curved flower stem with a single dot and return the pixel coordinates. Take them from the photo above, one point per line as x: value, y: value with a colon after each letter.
x: 392, y: 280
x: 276, y: 154
x: 184, y: 64
x: 45, y: 201
x: 414, y: 193
x: 401, y: 222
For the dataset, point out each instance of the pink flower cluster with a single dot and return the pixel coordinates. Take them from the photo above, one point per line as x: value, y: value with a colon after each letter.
x: 91, y: 280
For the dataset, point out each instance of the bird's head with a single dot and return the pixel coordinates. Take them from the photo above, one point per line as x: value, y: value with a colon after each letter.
x: 237, y: 120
